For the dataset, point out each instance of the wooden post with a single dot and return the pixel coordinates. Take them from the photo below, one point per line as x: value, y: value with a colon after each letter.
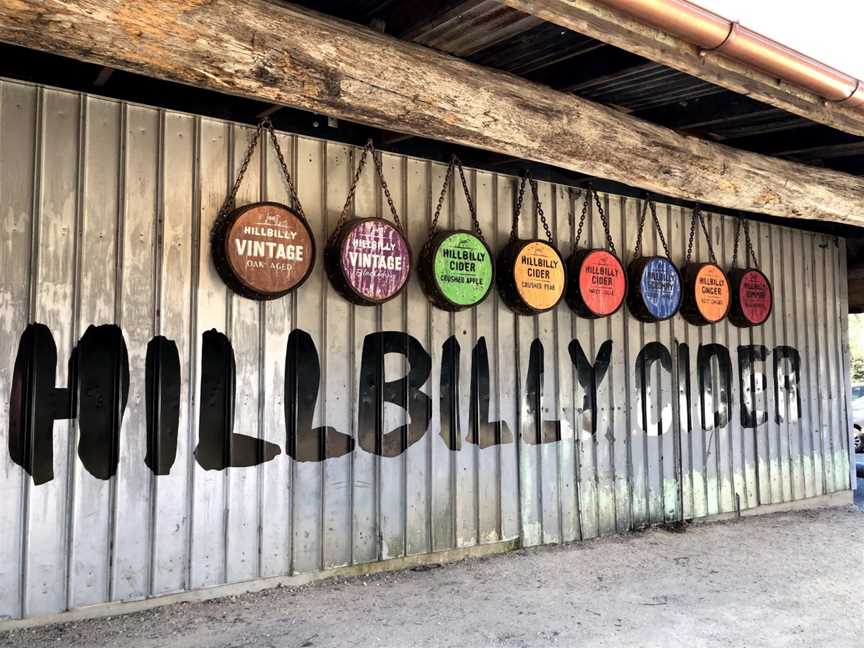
x: 282, y: 54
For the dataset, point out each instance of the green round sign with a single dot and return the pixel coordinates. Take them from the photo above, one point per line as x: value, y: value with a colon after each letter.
x: 463, y: 269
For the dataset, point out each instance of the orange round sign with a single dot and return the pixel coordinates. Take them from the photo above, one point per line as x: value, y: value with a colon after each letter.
x: 712, y: 296
x: 539, y: 273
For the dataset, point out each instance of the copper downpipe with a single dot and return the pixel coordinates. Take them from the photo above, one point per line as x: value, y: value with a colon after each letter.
x: 711, y: 32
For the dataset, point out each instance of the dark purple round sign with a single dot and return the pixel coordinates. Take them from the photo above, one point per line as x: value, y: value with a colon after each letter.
x: 375, y: 259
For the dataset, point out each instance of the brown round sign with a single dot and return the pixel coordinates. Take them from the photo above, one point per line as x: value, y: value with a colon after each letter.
x: 263, y: 250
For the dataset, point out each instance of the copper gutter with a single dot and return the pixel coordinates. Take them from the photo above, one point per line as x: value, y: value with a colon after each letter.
x: 713, y: 33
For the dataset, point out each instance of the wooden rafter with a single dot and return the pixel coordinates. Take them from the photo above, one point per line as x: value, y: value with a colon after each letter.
x: 286, y: 55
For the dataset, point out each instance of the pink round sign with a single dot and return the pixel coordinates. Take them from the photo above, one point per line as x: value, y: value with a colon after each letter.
x: 375, y: 259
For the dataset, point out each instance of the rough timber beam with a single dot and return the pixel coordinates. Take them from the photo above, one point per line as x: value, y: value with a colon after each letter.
x: 599, y: 21
x: 282, y: 54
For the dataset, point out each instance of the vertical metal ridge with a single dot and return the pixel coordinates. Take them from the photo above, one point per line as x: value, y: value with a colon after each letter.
x: 227, y: 323
x: 840, y: 395
x: 33, y: 280
x: 191, y: 425
x: 628, y: 381
x: 612, y: 427
x: 292, y: 481
x: 118, y: 306
x: 352, y: 390
x: 80, y: 184
x: 322, y: 393
x: 156, y: 329
x: 263, y: 194
x: 404, y: 320
x: 430, y: 536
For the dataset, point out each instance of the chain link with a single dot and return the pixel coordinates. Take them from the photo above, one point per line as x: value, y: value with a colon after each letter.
x: 749, y: 244
x: 605, y: 220
x: 582, y: 217
x: 649, y: 204
x: 526, y: 177
x: 367, y: 149
x: 231, y: 199
x: 471, y: 208
x: 695, y: 215
x: 749, y: 252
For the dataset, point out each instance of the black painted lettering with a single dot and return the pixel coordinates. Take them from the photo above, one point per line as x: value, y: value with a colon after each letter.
x: 750, y: 383
x: 714, y: 396
x: 302, y: 382
x: 544, y: 431
x: 162, y: 394
x: 103, y: 390
x: 483, y: 432
x: 405, y: 392
x: 590, y: 376
x: 650, y: 393
x: 35, y: 403
x: 218, y: 446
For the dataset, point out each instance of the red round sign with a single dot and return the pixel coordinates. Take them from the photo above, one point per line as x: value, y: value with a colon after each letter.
x: 602, y: 283
x: 754, y: 297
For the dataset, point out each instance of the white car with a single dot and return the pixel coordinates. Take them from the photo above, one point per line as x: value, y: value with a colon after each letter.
x: 858, y: 423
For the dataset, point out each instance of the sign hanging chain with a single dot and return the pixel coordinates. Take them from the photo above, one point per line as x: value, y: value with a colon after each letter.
x: 749, y: 252
x: 448, y: 176
x: 589, y: 192
x: 637, y: 252
x: 230, y: 202
x: 369, y: 148
x: 526, y: 177
x: 695, y: 215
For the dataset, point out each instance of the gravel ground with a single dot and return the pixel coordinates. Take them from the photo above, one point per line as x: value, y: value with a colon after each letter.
x: 792, y: 579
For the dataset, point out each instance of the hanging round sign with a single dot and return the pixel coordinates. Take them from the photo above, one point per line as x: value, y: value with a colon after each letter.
x: 598, y: 283
x: 263, y: 250
x: 706, y: 294
x: 532, y: 277
x: 656, y: 288
x: 456, y: 270
x: 368, y: 260
x: 752, y: 299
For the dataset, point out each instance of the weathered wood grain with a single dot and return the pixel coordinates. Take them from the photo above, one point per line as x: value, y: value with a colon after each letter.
x: 286, y: 55
x: 616, y: 28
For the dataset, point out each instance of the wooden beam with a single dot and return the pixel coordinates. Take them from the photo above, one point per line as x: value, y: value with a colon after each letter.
x: 597, y: 20
x: 282, y: 54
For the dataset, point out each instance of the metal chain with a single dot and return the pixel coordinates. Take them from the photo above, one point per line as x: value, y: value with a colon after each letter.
x: 695, y: 215
x: 582, y: 217
x: 295, y: 199
x: 749, y: 244
x: 692, y: 236
x: 518, y: 209
x: 603, y: 219
x: 737, y: 241
x: 526, y: 177
x: 749, y: 253
x: 433, y: 228
x: 649, y: 204
x: 231, y: 199
x: 471, y: 208
x: 637, y: 251
x: 369, y: 148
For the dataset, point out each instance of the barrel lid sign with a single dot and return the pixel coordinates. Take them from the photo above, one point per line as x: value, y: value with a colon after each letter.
x: 752, y: 298
x: 539, y: 274
x: 657, y: 289
x: 374, y: 258
x: 462, y: 268
x: 707, y: 295
x: 263, y: 250
x: 601, y: 281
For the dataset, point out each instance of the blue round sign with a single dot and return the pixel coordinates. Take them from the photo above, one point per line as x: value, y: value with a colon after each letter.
x: 661, y: 288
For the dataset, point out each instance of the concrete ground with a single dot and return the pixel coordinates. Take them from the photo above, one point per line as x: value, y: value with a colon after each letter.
x: 789, y: 579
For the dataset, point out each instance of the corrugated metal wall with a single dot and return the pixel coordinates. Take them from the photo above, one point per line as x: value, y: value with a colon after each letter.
x: 106, y: 209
